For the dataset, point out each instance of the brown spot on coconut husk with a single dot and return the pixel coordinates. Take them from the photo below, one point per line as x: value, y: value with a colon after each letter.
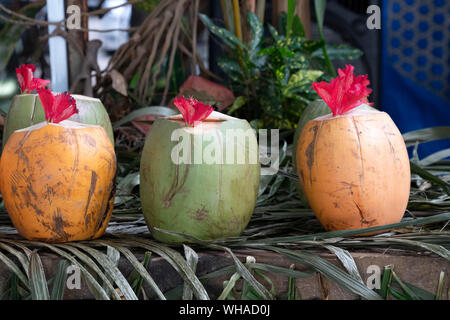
x: 91, y: 191
x: 200, y: 214
x: 59, y: 226
x: 309, y: 153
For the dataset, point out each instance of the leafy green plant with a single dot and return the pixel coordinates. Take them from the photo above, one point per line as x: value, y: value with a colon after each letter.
x: 272, y: 76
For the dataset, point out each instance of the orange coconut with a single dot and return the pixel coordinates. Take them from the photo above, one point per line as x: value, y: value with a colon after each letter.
x: 353, y: 164
x: 354, y: 169
x: 57, y: 181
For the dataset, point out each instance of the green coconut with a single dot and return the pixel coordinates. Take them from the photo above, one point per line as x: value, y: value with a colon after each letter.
x: 192, y: 183
x: 26, y: 110
x: 315, y: 109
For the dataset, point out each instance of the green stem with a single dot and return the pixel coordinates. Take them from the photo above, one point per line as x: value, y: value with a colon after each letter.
x: 319, y: 7
x: 290, y: 16
x: 330, y: 66
x: 237, y: 19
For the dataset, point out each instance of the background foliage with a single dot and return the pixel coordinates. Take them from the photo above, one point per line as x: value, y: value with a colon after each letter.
x: 272, y: 75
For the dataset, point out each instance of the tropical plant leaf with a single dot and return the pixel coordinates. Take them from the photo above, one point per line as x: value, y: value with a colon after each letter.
x: 230, y: 66
x: 177, y: 262
x: 217, y: 273
x: 445, y: 216
x: 330, y: 271
x: 114, y: 256
x: 274, y: 32
x: 111, y: 270
x: 38, y: 282
x: 426, y: 135
x: 347, y: 261
x: 339, y: 52
x: 293, y: 293
x: 304, y: 78
x: 290, y: 16
x: 429, y: 176
x: 407, y: 291
x: 14, y: 268
x: 245, y: 273
x: 397, y: 294
x: 192, y: 260
x: 223, y: 34
x: 437, y: 249
x: 435, y: 157
x: 238, y: 103
x: 135, y: 279
x: 94, y: 286
x: 297, y: 27
x: 440, y: 287
x: 125, y: 188
x: 145, y: 111
x: 266, y: 279
x: 141, y: 269
x: 59, y: 280
x: 19, y: 245
x: 319, y: 7
x: 280, y: 270
x: 310, y: 46
x: 229, y: 286
x: 19, y: 255
x: 420, y: 293
x: 13, y: 292
x: 257, y: 32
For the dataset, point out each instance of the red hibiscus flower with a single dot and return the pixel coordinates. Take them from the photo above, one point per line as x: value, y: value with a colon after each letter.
x: 193, y: 111
x: 26, y: 80
x: 345, y: 92
x: 57, y: 108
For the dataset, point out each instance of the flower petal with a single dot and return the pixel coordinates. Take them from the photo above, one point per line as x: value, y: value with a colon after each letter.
x: 25, y: 77
x: 183, y: 106
x: 345, y: 92
x: 58, y: 108
x: 192, y: 110
x: 64, y: 107
x: 26, y: 80
x: 202, y: 112
x: 47, y: 101
x: 39, y: 83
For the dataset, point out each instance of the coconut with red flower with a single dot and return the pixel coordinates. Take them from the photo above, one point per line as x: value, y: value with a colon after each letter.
x: 199, y: 174
x: 26, y: 109
x: 352, y: 163
x: 57, y: 176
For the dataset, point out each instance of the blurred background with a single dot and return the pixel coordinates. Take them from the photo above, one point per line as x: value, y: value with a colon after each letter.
x: 133, y: 54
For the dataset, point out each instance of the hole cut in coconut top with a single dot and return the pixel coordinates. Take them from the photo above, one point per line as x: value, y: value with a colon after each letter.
x: 209, y: 124
x: 213, y: 117
x: 81, y: 97
x: 75, y: 96
x: 65, y: 124
x: 351, y: 113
